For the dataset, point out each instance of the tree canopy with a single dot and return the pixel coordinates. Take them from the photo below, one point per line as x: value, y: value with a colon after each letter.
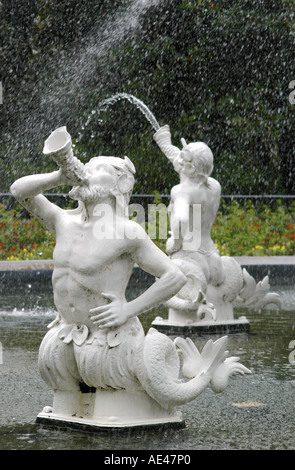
x: 217, y: 71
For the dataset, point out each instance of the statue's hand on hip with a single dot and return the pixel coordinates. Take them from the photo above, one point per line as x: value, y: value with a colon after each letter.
x: 110, y: 315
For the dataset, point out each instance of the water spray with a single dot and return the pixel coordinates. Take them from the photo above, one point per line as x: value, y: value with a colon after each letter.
x: 59, y: 143
x: 138, y: 103
x: 133, y: 100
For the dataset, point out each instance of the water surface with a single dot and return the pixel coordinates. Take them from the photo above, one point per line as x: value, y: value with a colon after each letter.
x: 213, y: 422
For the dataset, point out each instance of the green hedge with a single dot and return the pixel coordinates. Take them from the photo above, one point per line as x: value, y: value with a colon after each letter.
x: 239, y: 230
x: 216, y: 71
x: 245, y: 231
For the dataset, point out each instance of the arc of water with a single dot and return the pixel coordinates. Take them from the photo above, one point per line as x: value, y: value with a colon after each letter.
x: 133, y: 100
x: 138, y: 103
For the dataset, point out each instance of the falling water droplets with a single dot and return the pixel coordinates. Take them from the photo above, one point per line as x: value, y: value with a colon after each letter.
x: 103, y: 105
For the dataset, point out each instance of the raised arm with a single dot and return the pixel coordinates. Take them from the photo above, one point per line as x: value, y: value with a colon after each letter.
x: 163, y: 139
x: 27, y: 191
x: 169, y: 277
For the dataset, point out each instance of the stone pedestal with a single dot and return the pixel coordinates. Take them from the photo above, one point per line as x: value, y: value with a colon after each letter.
x: 107, y: 410
x: 203, y: 327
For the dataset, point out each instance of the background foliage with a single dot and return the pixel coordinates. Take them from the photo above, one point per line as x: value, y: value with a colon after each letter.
x: 239, y: 230
x: 216, y: 71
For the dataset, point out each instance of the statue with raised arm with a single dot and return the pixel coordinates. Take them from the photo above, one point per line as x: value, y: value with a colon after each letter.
x: 103, y: 369
x: 214, y: 282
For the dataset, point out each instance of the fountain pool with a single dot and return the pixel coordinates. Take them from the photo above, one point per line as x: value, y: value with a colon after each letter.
x: 254, y: 412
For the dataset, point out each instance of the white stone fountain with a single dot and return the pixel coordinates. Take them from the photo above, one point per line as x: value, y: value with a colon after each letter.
x: 215, y: 284
x: 104, y: 371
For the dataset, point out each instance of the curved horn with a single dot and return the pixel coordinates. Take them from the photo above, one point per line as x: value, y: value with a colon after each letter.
x: 59, y: 146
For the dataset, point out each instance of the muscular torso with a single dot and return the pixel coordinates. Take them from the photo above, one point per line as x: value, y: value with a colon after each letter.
x: 86, y: 267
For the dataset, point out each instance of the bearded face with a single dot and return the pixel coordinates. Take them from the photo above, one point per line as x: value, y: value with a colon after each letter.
x: 104, y: 180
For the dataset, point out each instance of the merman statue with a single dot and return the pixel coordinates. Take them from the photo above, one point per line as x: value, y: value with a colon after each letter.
x: 104, y: 371
x: 214, y: 283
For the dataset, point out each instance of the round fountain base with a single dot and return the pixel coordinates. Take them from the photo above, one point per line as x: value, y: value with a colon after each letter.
x: 202, y: 327
x: 107, y: 410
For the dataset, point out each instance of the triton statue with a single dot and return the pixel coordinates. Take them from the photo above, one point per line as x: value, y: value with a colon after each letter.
x: 215, y: 284
x: 104, y: 371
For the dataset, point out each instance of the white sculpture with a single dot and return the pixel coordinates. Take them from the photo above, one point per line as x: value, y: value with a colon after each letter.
x: 104, y: 371
x: 215, y: 283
